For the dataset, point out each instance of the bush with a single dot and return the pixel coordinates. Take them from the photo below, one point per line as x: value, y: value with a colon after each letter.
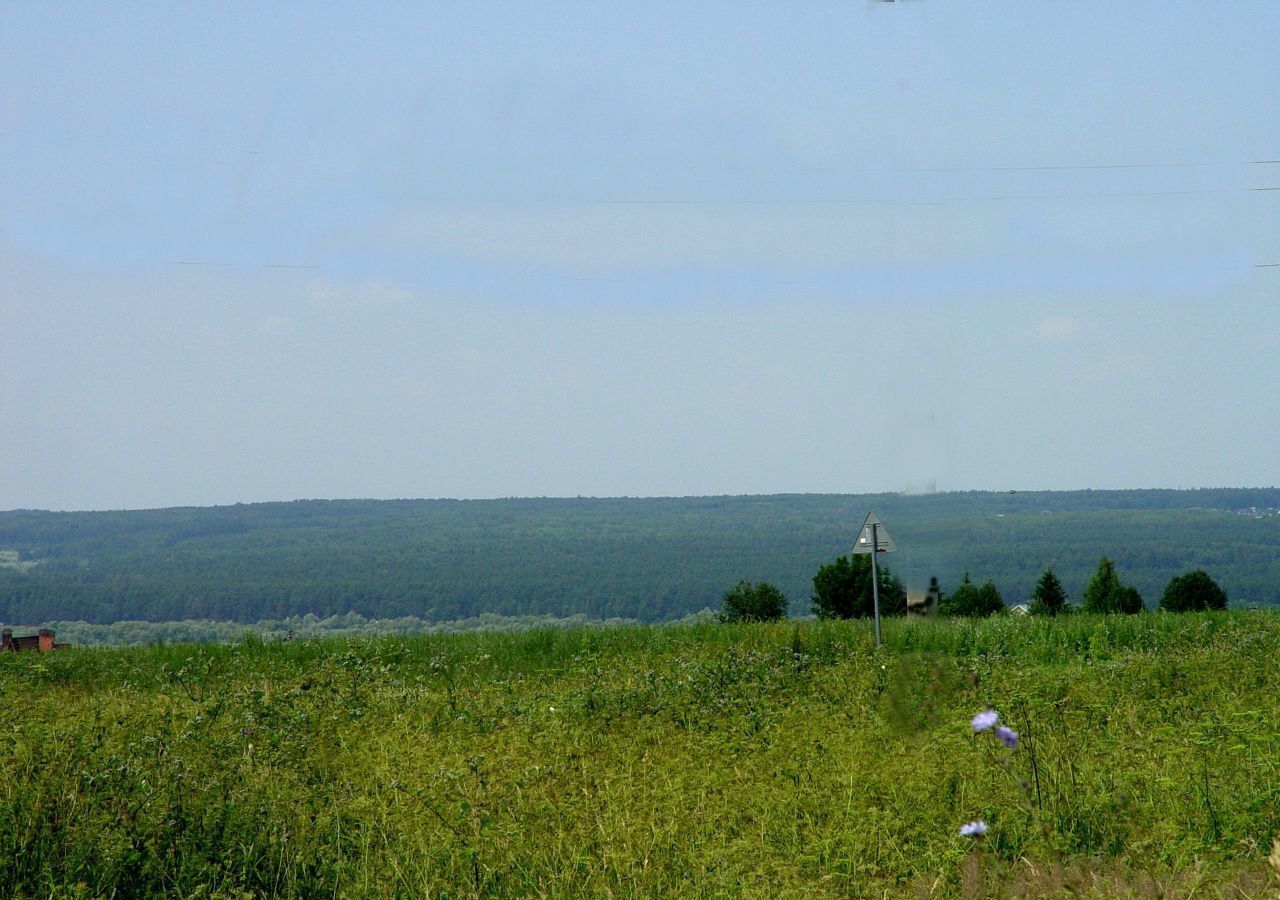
x: 971, y: 600
x: 842, y: 590
x: 747, y: 602
x: 1192, y: 592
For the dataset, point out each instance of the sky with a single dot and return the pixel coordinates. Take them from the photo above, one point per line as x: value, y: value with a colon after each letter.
x: 275, y: 251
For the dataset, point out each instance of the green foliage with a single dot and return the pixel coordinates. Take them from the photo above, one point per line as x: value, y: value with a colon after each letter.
x: 842, y: 590
x: 1129, y: 601
x: 1193, y: 592
x: 948, y: 605
x: 1105, y: 592
x: 1048, y: 599
x: 194, y: 631
x: 1099, y: 593
x: 747, y: 602
x: 645, y: 559
x: 971, y: 600
x: 786, y: 760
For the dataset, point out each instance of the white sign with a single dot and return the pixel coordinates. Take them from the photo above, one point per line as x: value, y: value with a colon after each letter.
x: 883, y: 543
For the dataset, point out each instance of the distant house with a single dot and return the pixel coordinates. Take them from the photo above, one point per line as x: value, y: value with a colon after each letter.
x: 40, y: 643
x: 1020, y: 609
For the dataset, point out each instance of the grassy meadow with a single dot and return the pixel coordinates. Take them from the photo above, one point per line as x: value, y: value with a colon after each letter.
x: 789, y: 760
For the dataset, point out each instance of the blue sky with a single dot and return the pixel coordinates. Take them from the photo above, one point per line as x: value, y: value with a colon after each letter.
x: 563, y: 249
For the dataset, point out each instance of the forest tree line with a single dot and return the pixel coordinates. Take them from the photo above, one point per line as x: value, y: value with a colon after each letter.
x: 639, y: 559
x: 846, y: 588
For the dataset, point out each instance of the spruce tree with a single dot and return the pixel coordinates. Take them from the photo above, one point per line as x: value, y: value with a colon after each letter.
x: 1105, y: 592
x: 1104, y: 584
x: 1048, y: 599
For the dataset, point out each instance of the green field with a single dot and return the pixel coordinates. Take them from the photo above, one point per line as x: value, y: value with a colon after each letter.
x: 698, y: 760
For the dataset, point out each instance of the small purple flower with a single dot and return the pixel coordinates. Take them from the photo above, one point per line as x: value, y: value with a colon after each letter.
x: 976, y: 828
x: 1007, y: 736
x: 985, y: 720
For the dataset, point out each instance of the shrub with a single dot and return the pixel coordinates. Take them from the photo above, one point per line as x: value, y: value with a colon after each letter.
x: 842, y: 590
x: 747, y: 602
x: 1192, y: 592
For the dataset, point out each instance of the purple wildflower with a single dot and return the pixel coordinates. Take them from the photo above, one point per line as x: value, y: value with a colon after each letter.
x: 1007, y: 736
x: 976, y: 828
x: 984, y: 720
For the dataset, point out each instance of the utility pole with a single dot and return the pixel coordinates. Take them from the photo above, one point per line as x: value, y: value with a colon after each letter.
x: 875, y: 577
x: 874, y: 539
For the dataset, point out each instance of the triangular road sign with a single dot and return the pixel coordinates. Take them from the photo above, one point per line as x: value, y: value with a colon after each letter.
x: 883, y: 543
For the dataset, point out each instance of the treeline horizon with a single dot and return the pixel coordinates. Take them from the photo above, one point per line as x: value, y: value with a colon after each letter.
x: 643, y: 559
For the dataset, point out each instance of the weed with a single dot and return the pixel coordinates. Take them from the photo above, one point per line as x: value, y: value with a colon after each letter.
x: 746, y: 760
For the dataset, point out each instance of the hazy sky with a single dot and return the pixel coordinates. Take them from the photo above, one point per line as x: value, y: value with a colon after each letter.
x: 271, y: 251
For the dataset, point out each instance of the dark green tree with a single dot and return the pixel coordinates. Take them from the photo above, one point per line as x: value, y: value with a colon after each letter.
x: 1129, y: 601
x: 1192, y: 592
x: 1101, y: 588
x: 989, y: 600
x: 1048, y: 598
x: 747, y: 602
x: 961, y: 599
x: 1105, y: 593
x: 972, y: 600
x: 842, y: 589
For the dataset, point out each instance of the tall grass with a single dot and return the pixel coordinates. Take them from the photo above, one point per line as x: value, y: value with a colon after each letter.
x: 780, y: 760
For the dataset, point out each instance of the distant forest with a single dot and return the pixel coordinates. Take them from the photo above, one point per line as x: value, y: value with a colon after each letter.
x: 644, y: 559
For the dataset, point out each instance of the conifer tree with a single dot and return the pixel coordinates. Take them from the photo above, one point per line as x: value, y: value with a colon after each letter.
x: 1105, y: 592
x: 1048, y: 599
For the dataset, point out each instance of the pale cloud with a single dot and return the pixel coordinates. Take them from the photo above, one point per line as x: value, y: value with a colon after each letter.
x: 1058, y: 328
x: 367, y: 293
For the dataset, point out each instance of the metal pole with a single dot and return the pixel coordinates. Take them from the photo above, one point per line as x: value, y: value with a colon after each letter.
x: 875, y: 578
